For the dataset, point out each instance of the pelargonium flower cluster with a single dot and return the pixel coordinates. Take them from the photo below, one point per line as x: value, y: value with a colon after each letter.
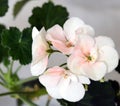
x: 88, y: 57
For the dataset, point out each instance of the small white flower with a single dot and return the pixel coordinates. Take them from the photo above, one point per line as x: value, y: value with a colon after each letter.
x: 39, y: 52
x: 65, y: 38
x: 60, y: 83
x: 93, y: 57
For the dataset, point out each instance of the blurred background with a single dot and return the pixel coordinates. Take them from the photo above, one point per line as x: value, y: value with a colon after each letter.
x: 102, y: 15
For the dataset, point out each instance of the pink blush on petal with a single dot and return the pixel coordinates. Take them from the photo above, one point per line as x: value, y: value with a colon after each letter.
x: 61, y: 46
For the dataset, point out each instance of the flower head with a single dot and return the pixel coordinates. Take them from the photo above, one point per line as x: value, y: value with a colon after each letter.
x: 89, y: 57
x: 65, y: 38
x: 60, y: 83
x: 39, y: 52
x: 93, y: 57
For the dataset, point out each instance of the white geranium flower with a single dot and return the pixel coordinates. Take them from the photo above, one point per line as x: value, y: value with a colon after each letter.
x: 39, y: 52
x: 65, y: 38
x: 60, y: 83
x: 93, y: 57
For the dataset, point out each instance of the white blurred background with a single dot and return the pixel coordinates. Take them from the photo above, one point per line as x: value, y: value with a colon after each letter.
x: 102, y: 15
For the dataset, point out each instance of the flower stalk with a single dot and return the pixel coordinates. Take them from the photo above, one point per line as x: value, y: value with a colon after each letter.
x: 26, y: 80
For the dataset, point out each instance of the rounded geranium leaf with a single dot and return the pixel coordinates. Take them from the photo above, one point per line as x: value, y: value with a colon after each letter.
x: 18, y: 7
x: 3, y: 51
x: 3, y: 7
x: 18, y: 43
x: 48, y: 15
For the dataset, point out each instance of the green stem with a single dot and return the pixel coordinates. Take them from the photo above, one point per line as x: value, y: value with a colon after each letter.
x: 48, y: 101
x: 2, y: 84
x: 1, y: 72
x: 52, y: 51
x: 1, y: 77
x: 18, y: 68
x: 10, y: 68
x: 26, y: 101
x: 86, y: 87
x: 11, y: 93
x: 21, y: 97
x: 63, y: 64
x: 26, y: 80
x: 102, y: 80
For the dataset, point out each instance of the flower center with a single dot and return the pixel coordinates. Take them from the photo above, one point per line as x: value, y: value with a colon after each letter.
x: 89, y: 58
x: 66, y: 75
x: 69, y: 44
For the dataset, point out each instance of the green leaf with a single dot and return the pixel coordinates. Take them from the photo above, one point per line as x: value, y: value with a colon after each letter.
x: 118, y: 67
x: 48, y: 15
x: 116, y: 87
x: 3, y: 51
x: 18, y: 43
x: 18, y: 7
x: 6, y: 60
x: 2, y: 27
x: 3, y: 7
x: 100, y: 94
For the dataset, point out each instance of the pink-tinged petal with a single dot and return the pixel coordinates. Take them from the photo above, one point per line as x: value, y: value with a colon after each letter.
x: 56, y: 33
x: 39, y: 46
x: 110, y: 56
x: 61, y: 46
x: 57, y: 37
x: 71, y: 91
x: 52, y: 76
x: 104, y: 41
x: 85, y: 30
x: 54, y: 92
x: 85, y: 44
x: 84, y: 80
x: 74, y: 64
x: 35, y: 32
x: 95, y: 71
x: 70, y: 26
x: 39, y: 67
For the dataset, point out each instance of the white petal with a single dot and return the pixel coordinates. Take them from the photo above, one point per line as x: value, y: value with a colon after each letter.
x: 70, y: 26
x: 84, y: 80
x: 73, y: 64
x: 74, y: 77
x: 54, y: 92
x: 104, y: 41
x: 39, y: 42
x: 71, y: 91
x: 49, y: 81
x: 85, y: 30
x: 39, y: 68
x: 95, y: 71
x: 86, y: 43
x: 35, y: 32
x: 110, y: 56
x: 52, y: 76
x: 55, y: 33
